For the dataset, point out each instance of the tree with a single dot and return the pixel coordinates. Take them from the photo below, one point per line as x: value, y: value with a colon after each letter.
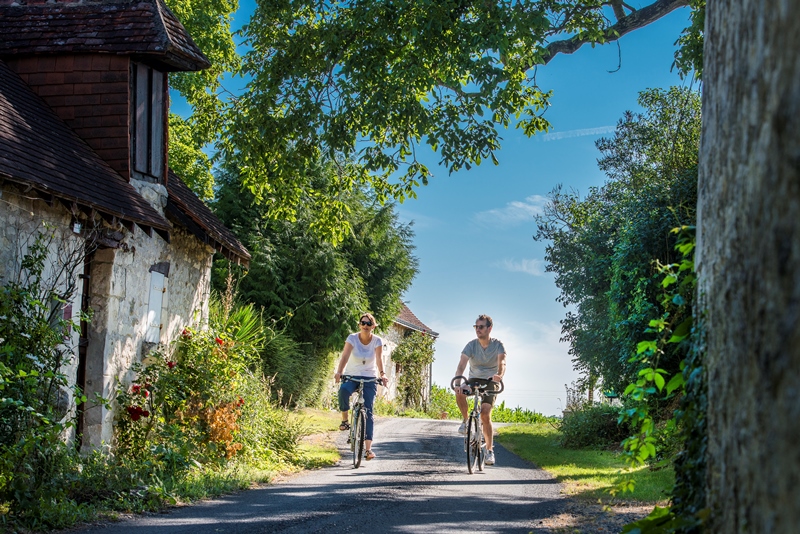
x: 209, y: 24
x: 315, y: 290
x: 606, y: 248
x: 377, y: 80
x: 749, y: 262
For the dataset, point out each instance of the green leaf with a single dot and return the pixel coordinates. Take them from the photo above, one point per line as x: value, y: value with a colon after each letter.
x: 674, y: 383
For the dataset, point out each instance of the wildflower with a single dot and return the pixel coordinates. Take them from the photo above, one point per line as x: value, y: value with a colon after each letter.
x: 241, y: 402
x: 171, y: 365
x: 136, y: 388
x: 219, y: 341
x: 186, y: 333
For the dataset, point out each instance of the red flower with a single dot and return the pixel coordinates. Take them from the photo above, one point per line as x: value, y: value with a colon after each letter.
x: 241, y: 402
x: 136, y: 412
x: 186, y: 333
x: 219, y: 341
x: 171, y: 365
x: 146, y: 394
x: 136, y: 388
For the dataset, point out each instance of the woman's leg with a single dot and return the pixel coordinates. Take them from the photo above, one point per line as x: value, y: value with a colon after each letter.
x: 370, y: 391
x: 345, y: 391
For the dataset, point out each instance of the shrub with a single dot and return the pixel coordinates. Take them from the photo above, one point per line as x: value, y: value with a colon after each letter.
x: 593, y: 425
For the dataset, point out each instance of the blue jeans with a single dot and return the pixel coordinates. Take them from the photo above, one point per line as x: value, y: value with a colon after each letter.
x: 349, y: 387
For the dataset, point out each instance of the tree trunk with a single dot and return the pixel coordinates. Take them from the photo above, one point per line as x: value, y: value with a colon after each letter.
x: 749, y: 262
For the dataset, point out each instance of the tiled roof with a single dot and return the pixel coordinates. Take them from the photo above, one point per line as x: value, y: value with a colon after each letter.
x: 191, y: 212
x: 37, y: 149
x: 143, y: 28
x: 407, y: 318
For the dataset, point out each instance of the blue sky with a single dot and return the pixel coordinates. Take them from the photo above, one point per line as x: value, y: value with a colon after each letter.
x: 474, y: 229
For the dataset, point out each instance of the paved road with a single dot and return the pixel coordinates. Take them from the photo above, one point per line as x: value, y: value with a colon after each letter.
x: 418, y: 483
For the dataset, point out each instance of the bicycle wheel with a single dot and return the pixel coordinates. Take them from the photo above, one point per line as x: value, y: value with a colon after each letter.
x: 473, y: 443
x: 359, y: 434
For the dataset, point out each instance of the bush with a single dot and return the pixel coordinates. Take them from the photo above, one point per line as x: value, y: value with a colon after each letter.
x: 593, y: 425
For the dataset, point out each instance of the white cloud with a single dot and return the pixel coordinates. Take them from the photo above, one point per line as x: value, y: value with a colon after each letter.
x: 513, y: 213
x: 532, y: 267
x: 556, y: 136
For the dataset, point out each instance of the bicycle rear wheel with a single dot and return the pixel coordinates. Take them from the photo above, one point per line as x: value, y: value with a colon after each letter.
x: 359, y: 434
x: 473, y: 443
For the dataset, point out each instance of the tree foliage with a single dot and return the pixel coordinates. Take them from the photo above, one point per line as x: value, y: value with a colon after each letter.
x: 209, y: 24
x: 314, y: 289
x: 375, y: 82
x: 378, y: 80
x: 603, y: 247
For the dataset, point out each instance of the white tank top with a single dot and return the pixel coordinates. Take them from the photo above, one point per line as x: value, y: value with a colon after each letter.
x: 362, y: 359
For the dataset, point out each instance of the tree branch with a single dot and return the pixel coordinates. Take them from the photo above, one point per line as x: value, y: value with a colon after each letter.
x: 634, y: 21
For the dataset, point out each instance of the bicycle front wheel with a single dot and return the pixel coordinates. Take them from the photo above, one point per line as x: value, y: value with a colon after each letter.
x: 360, y: 431
x: 473, y: 443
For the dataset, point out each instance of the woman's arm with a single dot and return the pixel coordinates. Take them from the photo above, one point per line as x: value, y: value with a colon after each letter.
x: 346, y: 351
x: 379, y: 363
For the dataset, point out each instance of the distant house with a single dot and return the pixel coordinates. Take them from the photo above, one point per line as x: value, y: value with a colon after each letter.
x: 405, y: 324
x: 83, y: 146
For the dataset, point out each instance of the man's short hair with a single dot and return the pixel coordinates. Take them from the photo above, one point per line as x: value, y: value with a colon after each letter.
x: 486, y: 318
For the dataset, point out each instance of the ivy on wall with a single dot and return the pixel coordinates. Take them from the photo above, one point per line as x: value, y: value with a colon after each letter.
x: 414, y: 354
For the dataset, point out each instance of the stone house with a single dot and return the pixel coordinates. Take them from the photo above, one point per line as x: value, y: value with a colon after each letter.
x: 83, y: 147
x: 405, y: 324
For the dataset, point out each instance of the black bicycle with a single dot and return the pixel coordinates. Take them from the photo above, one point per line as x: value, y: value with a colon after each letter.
x: 474, y: 442
x: 358, y: 420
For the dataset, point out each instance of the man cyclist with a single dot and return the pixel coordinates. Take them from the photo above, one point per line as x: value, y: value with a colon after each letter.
x: 487, y: 360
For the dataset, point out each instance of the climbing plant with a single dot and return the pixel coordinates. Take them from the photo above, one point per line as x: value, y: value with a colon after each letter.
x: 414, y: 354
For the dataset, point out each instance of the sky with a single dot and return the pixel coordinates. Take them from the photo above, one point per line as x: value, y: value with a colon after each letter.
x: 474, y: 229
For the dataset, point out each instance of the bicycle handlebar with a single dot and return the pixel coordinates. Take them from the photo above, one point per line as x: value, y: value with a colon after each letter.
x: 480, y: 387
x: 362, y: 380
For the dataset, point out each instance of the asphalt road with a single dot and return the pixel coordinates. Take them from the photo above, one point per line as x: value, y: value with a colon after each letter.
x: 418, y: 483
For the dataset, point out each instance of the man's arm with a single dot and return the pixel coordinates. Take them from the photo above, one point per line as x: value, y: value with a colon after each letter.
x: 501, y: 367
x: 462, y: 365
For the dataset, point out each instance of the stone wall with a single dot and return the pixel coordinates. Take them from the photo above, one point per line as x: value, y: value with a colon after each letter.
x: 22, y: 218
x: 120, y: 295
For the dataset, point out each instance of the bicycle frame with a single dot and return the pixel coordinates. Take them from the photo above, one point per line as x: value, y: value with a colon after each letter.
x: 474, y: 440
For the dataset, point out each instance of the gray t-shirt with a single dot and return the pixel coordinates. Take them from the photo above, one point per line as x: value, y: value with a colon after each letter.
x: 483, y: 363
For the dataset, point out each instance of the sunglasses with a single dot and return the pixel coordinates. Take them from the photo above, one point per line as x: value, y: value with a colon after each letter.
x: 366, y: 323
x: 480, y: 326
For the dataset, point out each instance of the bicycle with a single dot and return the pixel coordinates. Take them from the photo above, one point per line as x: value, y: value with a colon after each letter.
x: 474, y: 442
x: 358, y: 420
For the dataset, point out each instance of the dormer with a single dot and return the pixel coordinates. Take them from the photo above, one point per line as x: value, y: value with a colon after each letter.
x: 102, y: 67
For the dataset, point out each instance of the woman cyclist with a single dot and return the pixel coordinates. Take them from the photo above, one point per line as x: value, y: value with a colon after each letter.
x: 361, y: 358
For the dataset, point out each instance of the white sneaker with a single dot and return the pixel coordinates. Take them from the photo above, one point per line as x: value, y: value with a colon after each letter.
x: 463, y: 428
x: 489, y: 457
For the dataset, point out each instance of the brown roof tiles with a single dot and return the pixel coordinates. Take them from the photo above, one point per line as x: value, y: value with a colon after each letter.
x: 142, y: 28
x: 407, y: 318
x: 192, y: 213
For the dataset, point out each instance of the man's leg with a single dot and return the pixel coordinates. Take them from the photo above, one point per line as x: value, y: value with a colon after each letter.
x: 461, y: 402
x: 486, y: 420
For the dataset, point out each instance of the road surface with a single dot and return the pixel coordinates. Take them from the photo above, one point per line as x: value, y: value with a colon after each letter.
x: 418, y: 483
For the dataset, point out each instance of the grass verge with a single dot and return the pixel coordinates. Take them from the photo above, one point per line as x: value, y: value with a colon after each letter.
x: 584, y: 473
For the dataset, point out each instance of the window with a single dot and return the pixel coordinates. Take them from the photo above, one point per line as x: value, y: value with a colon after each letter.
x: 157, y: 290
x: 149, y: 115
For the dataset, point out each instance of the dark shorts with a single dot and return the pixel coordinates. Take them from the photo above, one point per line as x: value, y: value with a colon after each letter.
x: 488, y: 397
